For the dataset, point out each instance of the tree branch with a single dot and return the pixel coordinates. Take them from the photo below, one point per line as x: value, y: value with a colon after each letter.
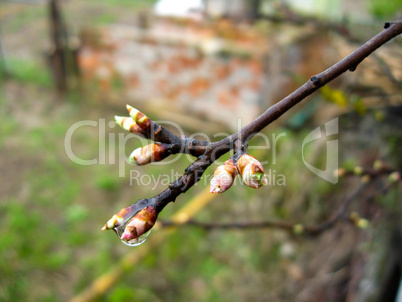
x: 195, y: 170
x: 208, y: 153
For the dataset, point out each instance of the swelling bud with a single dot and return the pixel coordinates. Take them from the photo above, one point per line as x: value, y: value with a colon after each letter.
x: 251, y: 171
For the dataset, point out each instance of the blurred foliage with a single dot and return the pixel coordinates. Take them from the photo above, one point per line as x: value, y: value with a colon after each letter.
x: 384, y: 9
x: 336, y: 96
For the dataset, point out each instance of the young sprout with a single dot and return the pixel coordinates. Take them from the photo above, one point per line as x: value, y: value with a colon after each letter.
x: 140, y: 224
x: 119, y: 218
x: 251, y: 171
x: 140, y: 118
x: 127, y: 123
x: 150, y: 153
x: 223, y: 177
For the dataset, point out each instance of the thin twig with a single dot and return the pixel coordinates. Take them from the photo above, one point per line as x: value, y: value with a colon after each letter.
x: 372, y: 172
x: 312, y: 230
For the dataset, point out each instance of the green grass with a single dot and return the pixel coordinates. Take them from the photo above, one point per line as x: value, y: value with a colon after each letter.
x: 30, y: 72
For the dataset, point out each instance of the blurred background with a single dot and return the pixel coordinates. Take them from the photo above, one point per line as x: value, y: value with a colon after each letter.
x: 204, y: 65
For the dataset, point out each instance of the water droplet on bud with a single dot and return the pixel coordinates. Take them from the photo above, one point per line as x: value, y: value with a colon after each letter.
x: 134, y: 242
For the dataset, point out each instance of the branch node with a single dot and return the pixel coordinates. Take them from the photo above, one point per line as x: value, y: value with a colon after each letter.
x: 353, y: 68
x: 315, y: 79
x: 388, y: 24
x: 240, y: 148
